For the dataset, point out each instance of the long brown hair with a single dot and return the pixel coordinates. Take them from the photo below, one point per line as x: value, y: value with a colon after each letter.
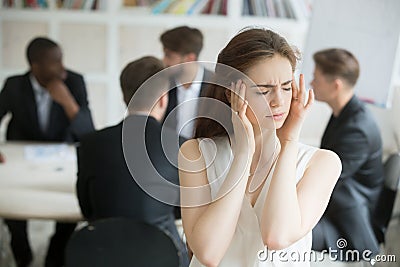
x: 246, y: 49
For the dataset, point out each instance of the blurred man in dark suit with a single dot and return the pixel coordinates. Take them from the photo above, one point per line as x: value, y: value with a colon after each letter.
x: 48, y: 103
x: 353, y: 134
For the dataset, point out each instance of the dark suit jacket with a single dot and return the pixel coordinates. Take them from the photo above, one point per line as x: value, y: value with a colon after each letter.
x: 355, y: 137
x: 105, y: 185
x: 18, y: 98
x: 173, y: 99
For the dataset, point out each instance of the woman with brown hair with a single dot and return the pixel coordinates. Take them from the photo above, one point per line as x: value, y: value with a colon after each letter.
x: 249, y: 187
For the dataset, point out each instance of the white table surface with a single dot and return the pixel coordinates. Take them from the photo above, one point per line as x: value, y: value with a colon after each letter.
x: 38, y: 189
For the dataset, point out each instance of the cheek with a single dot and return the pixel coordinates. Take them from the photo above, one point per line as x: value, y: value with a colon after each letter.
x: 288, y: 99
x: 258, y: 109
x: 54, y: 71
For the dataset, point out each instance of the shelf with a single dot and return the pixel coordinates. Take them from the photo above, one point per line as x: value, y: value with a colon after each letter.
x: 274, y: 21
x: 169, y: 19
x: 98, y: 43
x: 53, y: 15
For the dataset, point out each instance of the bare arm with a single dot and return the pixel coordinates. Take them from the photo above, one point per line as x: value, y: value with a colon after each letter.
x: 209, y: 228
x: 291, y: 210
x: 60, y: 94
x: 74, y: 101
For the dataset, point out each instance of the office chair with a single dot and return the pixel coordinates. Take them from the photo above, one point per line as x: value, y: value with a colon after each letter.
x: 384, y: 207
x: 120, y: 242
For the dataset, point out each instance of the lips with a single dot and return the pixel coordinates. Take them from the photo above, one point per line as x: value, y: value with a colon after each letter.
x: 277, y: 116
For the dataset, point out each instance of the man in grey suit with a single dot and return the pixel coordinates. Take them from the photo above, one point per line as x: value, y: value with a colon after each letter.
x: 48, y: 103
x: 353, y: 134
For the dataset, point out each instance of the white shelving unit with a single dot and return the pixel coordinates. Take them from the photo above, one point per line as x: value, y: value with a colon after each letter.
x: 98, y: 43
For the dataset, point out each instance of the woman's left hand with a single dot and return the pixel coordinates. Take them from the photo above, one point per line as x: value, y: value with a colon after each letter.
x: 290, y: 131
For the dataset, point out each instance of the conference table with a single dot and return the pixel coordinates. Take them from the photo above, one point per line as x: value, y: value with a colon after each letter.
x: 37, y: 181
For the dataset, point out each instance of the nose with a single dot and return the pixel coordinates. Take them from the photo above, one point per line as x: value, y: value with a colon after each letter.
x: 277, y: 98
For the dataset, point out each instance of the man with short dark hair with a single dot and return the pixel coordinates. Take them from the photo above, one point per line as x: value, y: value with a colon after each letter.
x: 119, y: 167
x: 352, y: 134
x: 182, y: 45
x: 48, y: 103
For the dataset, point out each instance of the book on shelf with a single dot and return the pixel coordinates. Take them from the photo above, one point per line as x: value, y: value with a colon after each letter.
x: 28, y: 4
x: 182, y: 7
x: 197, y: 7
x: 161, y: 6
x: 290, y: 9
x: 128, y: 3
x: 280, y: 9
x: 139, y: 3
x: 216, y: 7
x: 270, y: 8
x: 52, y: 4
x: 78, y: 4
x: 190, y: 7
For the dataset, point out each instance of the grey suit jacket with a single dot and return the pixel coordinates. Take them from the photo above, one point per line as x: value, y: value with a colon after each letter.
x: 355, y: 137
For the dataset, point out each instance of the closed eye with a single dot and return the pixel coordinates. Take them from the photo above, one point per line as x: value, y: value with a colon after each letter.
x: 266, y: 92
x: 262, y: 93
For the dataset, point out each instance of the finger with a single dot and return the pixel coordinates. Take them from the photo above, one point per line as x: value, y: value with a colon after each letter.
x: 302, y: 91
x: 232, y: 89
x: 238, y: 88
x: 294, y: 88
x: 244, y: 108
x: 238, y: 101
x: 310, y: 100
x: 242, y: 92
x: 242, y: 98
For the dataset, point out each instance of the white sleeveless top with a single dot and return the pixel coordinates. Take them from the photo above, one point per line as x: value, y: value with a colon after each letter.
x: 247, y: 248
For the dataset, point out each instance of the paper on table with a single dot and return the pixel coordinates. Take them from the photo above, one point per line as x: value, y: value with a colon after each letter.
x: 49, y: 153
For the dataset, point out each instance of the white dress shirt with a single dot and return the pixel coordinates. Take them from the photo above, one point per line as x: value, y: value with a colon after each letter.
x: 187, y: 112
x: 43, y: 103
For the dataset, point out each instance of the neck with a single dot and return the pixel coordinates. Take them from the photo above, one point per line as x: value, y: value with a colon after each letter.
x: 41, y: 81
x: 267, y: 147
x: 188, y: 74
x: 340, y: 102
x: 154, y: 114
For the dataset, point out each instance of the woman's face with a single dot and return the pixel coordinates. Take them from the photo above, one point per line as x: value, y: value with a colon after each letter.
x: 271, y: 94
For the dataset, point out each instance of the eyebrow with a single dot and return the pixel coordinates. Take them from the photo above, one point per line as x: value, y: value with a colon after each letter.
x: 270, y: 85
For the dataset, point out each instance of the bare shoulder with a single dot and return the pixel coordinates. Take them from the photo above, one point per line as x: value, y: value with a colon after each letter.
x: 326, y: 161
x: 190, y: 150
x: 192, y: 166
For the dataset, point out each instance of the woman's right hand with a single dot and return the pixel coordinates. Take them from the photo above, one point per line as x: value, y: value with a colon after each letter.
x: 243, y: 130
